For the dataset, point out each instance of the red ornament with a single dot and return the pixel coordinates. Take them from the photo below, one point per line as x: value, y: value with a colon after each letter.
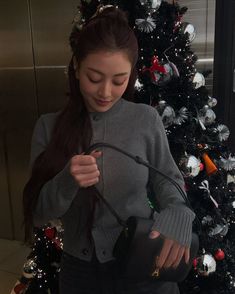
x: 50, y: 233
x: 195, y: 262
x: 155, y: 67
x: 20, y: 288
x: 219, y: 254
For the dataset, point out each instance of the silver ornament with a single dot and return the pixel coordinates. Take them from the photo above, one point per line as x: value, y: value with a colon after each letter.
x: 198, y: 80
x: 146, y: 25
x: 161, y: 79
x: 168, y: 116
x: 174, y: 69
x: 156, y: 3
x: 227, y: 164
x: 223, y: 132
x: 30, y: 268
x: 187, y: 28
x: 231, y: 179
x: 206, y: 115
x: 138, y: 85
x: 161, y: 106
x: 207, y: 220
x: 182, y: 116
x: 219, y: 229
x: 189, y: 166
x: 212, y: 102
x: 233, y: 204
x: 206, y: 265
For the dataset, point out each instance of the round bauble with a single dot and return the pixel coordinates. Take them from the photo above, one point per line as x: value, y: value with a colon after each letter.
x: 198, y: 80
x: 168, y: 116
x: 212, y: 102
x: 170, y: 71
x: 29, y: 268
x: 188, y: 28
x: 206, y: 265
x: 189, y: 165
x: 206, y: 115
x: 219, y: 254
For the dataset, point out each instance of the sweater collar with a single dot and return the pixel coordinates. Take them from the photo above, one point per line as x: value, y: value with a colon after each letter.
x: 113, y: 110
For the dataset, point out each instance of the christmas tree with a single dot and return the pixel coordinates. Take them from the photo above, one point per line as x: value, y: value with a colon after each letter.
x: 169, y: 81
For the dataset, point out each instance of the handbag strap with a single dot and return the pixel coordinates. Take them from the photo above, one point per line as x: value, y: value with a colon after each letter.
x: 138, y: 160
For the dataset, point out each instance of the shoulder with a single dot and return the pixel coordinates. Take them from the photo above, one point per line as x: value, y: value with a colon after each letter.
x: 44, y: 125
x: 142, y: 111
x: 49, y: 118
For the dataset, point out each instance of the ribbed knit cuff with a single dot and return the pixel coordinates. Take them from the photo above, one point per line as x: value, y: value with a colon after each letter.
x: 175, y: 224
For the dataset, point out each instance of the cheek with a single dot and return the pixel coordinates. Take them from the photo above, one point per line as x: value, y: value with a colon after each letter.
x: 86, y: 87
x: 118, y: 91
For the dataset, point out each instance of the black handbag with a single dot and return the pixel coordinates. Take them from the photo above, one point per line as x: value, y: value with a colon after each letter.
x: 134, y: 251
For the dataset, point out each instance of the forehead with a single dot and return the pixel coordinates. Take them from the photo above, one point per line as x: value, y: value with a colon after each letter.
x: 107, y: 62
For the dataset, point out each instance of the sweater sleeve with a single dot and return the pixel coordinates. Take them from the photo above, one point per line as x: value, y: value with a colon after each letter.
x: 175, y: 218
x: 57, y: 194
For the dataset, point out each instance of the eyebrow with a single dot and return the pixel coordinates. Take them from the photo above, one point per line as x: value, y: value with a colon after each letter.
x: 99, y: 72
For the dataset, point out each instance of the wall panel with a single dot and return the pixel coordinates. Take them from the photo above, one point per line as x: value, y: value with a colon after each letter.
x: 17, y: 108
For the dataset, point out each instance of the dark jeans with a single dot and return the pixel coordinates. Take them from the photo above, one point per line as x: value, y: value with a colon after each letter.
x: 82, y: 277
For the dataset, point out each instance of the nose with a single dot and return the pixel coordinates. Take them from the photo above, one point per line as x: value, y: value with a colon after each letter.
x: 105, y: 90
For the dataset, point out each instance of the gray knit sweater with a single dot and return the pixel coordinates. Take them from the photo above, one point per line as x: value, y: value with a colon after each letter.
x: 138, y: 129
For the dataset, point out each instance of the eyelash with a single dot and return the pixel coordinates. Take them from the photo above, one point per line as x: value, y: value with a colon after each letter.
x: 96, y: 82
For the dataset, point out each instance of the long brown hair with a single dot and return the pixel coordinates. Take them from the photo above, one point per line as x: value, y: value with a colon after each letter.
x: 108, y: 31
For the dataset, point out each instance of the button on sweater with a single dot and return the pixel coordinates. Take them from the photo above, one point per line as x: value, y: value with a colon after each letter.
x: 138, y: 129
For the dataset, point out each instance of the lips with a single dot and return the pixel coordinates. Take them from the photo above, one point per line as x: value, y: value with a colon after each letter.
x: 102, y: 102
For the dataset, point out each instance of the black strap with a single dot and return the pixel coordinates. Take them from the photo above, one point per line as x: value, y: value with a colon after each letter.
x: 138, y: 160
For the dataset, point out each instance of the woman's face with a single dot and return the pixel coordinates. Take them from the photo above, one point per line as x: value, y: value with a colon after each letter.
x: 103, y: 78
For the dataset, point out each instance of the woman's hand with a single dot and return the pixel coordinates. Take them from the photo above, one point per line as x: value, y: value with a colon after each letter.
x: 171, y: 253
x: 84, y: 169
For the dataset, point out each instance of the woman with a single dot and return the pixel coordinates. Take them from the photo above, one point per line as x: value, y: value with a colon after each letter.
x: 102, y: 77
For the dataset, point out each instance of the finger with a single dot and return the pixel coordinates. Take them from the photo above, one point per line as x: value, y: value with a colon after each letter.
x: 89, y: 183
x: 87, y: 177
x: 164, y: 252
x: 83, y: 160
x: 179, y: 257
x: 172, y: 255
x: 84, y: 169
x: 96, y: 154
x: 187, y: 255
x: 154, y: 234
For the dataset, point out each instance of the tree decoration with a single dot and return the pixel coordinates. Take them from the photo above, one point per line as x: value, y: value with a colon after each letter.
x: 206, y: 116
x: 223, y: 132
x: 182, y: 116
x: 212, y: 102
x: 189, y: 30
x: 189, y: 165
x: 168, y: 116
x: 205, y: 186
x: 227, y: 164
x: 146, y: 25
x: 198, y: 80
x: 219, y: 229
x: 219, y: 254
x: 138, y: 85
x: 155, y: 4
x: 206, y: 265
x: 209, y: 164
x: 161, y: 73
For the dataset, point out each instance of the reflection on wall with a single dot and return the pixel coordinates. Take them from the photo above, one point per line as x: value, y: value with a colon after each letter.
x: 34, y: 52
x: 201, y: 14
